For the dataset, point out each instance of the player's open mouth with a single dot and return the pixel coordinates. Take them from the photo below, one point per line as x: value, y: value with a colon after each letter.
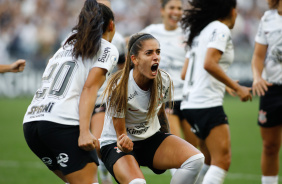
x: 154, y: 68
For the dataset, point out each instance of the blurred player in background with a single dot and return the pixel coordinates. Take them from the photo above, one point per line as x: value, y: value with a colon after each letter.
x: 17, y: 66
x: 211, y: 53
x: 57, y: 122
x: 268, y: 57
x: 172, y: 42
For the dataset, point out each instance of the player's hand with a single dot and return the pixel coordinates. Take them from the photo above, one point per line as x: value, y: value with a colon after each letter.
x: 18, y: 66
x: 231, y: 91
x: 244, y: 93
x: 260, y: 86
x: 87, y: 141
x: 124, y: 143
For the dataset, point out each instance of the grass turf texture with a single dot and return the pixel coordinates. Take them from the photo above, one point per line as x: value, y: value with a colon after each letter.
x: 19, y: 165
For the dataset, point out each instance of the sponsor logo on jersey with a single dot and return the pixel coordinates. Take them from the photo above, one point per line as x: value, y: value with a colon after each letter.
x: 131, y: 96
x: 41, y: 109
x: 62, y: 159
x: 212, y: 38
x: 105, y: 56
x: 262, y: 117
x: 47, y: 161
x: 138, y: 130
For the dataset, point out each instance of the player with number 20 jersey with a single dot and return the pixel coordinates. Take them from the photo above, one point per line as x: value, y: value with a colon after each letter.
x: 58, y: 97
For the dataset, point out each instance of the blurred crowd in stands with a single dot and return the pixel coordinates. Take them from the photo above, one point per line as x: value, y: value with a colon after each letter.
x: 34, y: 29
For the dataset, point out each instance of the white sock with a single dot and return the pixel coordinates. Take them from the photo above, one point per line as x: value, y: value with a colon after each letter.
x: 202, y: 174
x: 269, y: 179
x: 214, y: 175
x: 172, y: 171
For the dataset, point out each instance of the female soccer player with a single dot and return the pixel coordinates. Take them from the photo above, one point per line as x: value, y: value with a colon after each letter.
x: 136, y: 130
x: 267, y: 57
x: 211, y: 52
x: 171, y: 39
x: 57, y: 122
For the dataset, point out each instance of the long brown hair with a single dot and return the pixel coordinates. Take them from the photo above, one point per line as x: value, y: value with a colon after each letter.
x: 117, y: 87
x: 93, y: 21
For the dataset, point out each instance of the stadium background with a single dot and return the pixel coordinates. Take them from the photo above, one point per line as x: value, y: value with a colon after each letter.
x: 34, y: 29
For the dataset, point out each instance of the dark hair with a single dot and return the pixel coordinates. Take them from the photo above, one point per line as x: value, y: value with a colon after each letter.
x: 93, y: 21
x: 273, y: 4
x: 118, y: 84
x: 202, y: 12
x: 164, y: 2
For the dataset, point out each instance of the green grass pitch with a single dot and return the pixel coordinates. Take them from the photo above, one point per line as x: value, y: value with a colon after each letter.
x: 19, y: 165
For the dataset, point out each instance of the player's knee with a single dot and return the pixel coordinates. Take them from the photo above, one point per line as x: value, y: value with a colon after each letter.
x: 270, y: 148
x: 138, y: 181
x: 195, y: 162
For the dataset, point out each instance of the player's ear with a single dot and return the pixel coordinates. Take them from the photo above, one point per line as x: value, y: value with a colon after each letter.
x: 111, y: 26
x: 134, y: 59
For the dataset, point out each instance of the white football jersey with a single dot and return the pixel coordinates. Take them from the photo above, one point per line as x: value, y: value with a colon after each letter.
x: 57, y: 99
x: 172, y: 53
x: 202, y: 90
x: 138, y: 127
x: 270, y: 33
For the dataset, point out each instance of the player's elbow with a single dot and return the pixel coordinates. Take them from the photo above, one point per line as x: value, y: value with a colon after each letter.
x: 208, y: 67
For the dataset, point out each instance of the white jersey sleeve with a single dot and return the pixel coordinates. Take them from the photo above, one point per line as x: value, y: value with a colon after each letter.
x: 108, y: 57
x: 219, y: 38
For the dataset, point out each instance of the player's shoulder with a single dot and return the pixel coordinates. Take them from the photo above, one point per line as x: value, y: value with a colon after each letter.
x: 108, y: 47
x: 165, y: 77
x: 268, y: 15
x: 219, y: 26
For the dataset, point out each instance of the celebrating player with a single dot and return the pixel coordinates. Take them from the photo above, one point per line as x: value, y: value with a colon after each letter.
x: 136, y: 130
x: 57, y: 122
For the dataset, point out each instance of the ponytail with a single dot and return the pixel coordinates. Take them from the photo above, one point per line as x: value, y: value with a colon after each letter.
x: 93, y: 21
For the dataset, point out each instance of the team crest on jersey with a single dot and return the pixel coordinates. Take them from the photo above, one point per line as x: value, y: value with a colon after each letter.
x: 117, y: 149
x: 262, y: 117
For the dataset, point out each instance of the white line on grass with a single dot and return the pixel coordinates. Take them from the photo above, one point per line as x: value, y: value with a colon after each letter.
x: 146, y: 171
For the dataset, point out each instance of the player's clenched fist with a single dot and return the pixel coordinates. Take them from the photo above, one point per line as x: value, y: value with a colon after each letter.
x: 124, y: 143
x: 87, y: 142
